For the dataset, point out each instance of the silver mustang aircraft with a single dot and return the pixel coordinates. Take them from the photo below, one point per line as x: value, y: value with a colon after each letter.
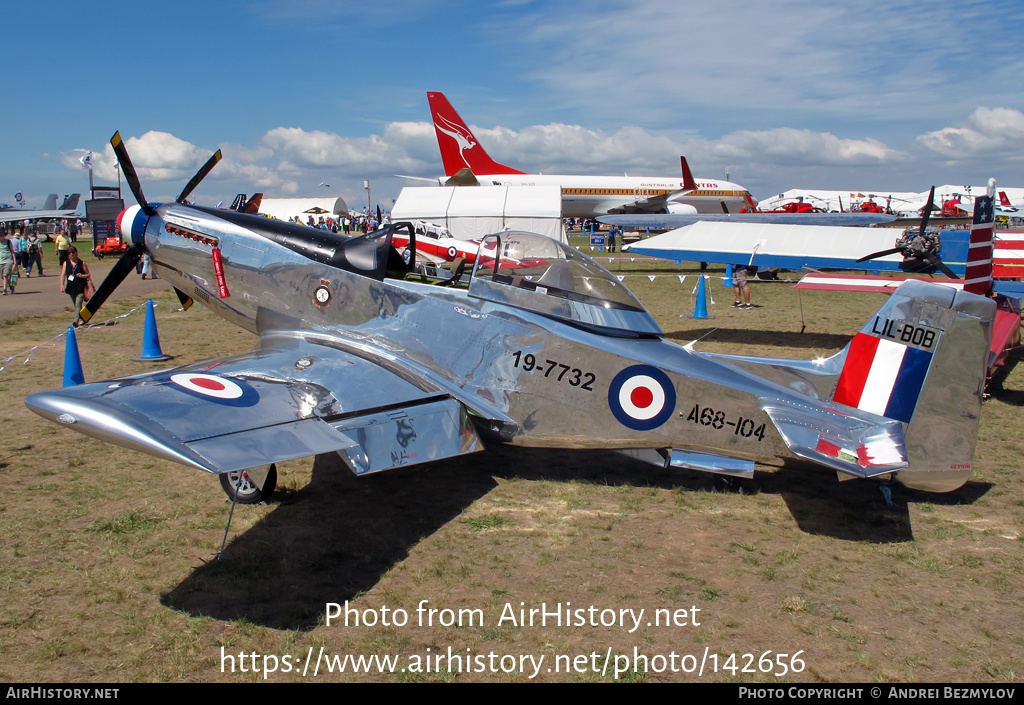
x: 359, y: 355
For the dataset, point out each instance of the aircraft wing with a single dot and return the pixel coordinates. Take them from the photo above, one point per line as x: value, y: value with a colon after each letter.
x: 294, y: 396
x: 790, y: 246
x: 668, y: 221
x: 12, y: 216
x: 652, y: 205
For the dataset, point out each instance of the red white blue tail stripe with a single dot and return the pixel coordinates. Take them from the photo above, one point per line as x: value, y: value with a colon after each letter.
x: 883, y: 377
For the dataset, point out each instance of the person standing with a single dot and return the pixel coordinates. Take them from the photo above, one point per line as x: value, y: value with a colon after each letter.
x: 75, y: 281
x: 61, y: 245
x: 739, y: 280
x: 6, y: 263
x: 34, y: 246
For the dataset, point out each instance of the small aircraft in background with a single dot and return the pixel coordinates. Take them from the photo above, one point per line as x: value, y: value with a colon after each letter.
x: 243, y: 204
x: 467, y: 164
x: 358, y: 355
x: 49, y: 210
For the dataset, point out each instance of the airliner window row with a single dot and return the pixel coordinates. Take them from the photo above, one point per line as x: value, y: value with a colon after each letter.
x: 636, y: 192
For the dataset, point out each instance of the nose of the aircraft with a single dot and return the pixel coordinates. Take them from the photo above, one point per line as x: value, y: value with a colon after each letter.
x: 132, y: 223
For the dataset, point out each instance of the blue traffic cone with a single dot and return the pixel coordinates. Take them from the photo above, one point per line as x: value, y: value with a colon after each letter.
x: 73, y: 373
x: 151, y: 351
x: 701, y: 309
x: 728, y: 276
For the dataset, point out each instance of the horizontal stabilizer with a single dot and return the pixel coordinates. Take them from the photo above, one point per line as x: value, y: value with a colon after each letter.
x: 851, y: 444
x: 463, y: 177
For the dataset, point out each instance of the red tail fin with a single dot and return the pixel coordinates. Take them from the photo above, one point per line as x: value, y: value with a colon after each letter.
x: 460, y: 149
x: 978, y: 278
x: 1003, y: 200
x: 253, y: 204
x: 688, y: 183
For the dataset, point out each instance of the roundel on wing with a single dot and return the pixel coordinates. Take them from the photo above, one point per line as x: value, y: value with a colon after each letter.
x: 642, y: 397
x: 221, y: 390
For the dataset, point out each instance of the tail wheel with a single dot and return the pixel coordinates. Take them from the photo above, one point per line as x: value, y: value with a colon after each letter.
x: 243, y: 483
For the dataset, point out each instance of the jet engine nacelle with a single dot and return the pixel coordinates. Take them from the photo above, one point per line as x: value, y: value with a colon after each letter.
x: 684, y: 208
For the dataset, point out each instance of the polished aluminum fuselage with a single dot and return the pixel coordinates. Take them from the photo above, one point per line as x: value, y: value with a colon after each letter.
x: 476, y: 350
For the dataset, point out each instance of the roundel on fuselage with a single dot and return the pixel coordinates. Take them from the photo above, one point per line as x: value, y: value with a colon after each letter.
x: 642, y: 397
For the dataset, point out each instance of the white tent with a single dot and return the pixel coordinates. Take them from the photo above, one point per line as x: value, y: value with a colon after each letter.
x: 288, y: 208
x: 470, y: 212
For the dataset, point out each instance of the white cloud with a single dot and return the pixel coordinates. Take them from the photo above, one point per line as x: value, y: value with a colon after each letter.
x: 786, y: 145
x: 988, y: 131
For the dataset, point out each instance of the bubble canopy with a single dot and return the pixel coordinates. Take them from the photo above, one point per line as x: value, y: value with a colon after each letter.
x: 535, y: 273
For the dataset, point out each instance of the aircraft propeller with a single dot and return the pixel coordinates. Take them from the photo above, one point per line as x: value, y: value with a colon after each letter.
x: 128, y: 223
x: 928, y: 259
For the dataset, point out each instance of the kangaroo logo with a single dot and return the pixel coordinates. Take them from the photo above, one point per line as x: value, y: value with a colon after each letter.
x: 465, y: 141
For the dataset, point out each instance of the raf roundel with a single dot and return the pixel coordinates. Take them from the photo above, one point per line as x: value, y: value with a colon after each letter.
x: 452, y: 252
x: 642, y: 397
x: 208, y: 385
x: 216, y: 389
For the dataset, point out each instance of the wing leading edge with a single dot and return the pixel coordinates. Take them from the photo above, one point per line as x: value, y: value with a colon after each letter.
x: 290, y: 398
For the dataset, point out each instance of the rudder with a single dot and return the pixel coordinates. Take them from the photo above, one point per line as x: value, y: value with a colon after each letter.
x: 922, y: 360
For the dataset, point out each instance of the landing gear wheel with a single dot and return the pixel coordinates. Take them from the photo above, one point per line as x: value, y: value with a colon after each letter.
x: 727, y: 483
x: 249, y: 492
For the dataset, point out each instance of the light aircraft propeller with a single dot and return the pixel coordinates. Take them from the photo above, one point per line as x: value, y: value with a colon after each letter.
x: 929, y: 258
x: 134, y: 253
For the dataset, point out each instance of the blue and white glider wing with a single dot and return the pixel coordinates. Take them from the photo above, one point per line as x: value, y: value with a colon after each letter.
x: 293, y: 397
x: 667, y: 221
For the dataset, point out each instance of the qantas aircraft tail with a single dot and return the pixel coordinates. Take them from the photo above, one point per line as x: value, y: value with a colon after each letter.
x: 460, y: 149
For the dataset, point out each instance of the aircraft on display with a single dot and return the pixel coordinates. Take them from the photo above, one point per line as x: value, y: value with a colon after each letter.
x: 467, y: 164
x: 358, y: 355
x: 795, y: 247
x: 49, y: 210
x: 244, y: 204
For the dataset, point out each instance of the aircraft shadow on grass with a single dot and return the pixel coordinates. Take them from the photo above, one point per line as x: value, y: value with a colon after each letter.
x: 336, y: 538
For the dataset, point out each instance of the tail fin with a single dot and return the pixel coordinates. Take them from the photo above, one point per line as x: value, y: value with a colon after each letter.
x: 688, y: 182
x: 253, y: 204
x: 460, y: 149
x: 70, y: 202
x: 1003, y: 200
x: 922, y: 360
x: 978, y: 277
x: 51, y: 203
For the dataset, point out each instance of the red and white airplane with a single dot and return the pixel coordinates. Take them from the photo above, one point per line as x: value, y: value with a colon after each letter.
x: 466, y: 163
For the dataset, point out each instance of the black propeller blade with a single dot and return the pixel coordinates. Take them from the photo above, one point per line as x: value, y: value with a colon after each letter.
x: 928, y: 207
x: 200, y: 175
x: 117, y: 274
x: 941, y: 266
x: 185, y: 299
x: 881, y: 253
x: 130, y: 175
x: 725, y: 208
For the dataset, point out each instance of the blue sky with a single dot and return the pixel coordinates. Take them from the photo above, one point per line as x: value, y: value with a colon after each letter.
x: 874, y: 96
